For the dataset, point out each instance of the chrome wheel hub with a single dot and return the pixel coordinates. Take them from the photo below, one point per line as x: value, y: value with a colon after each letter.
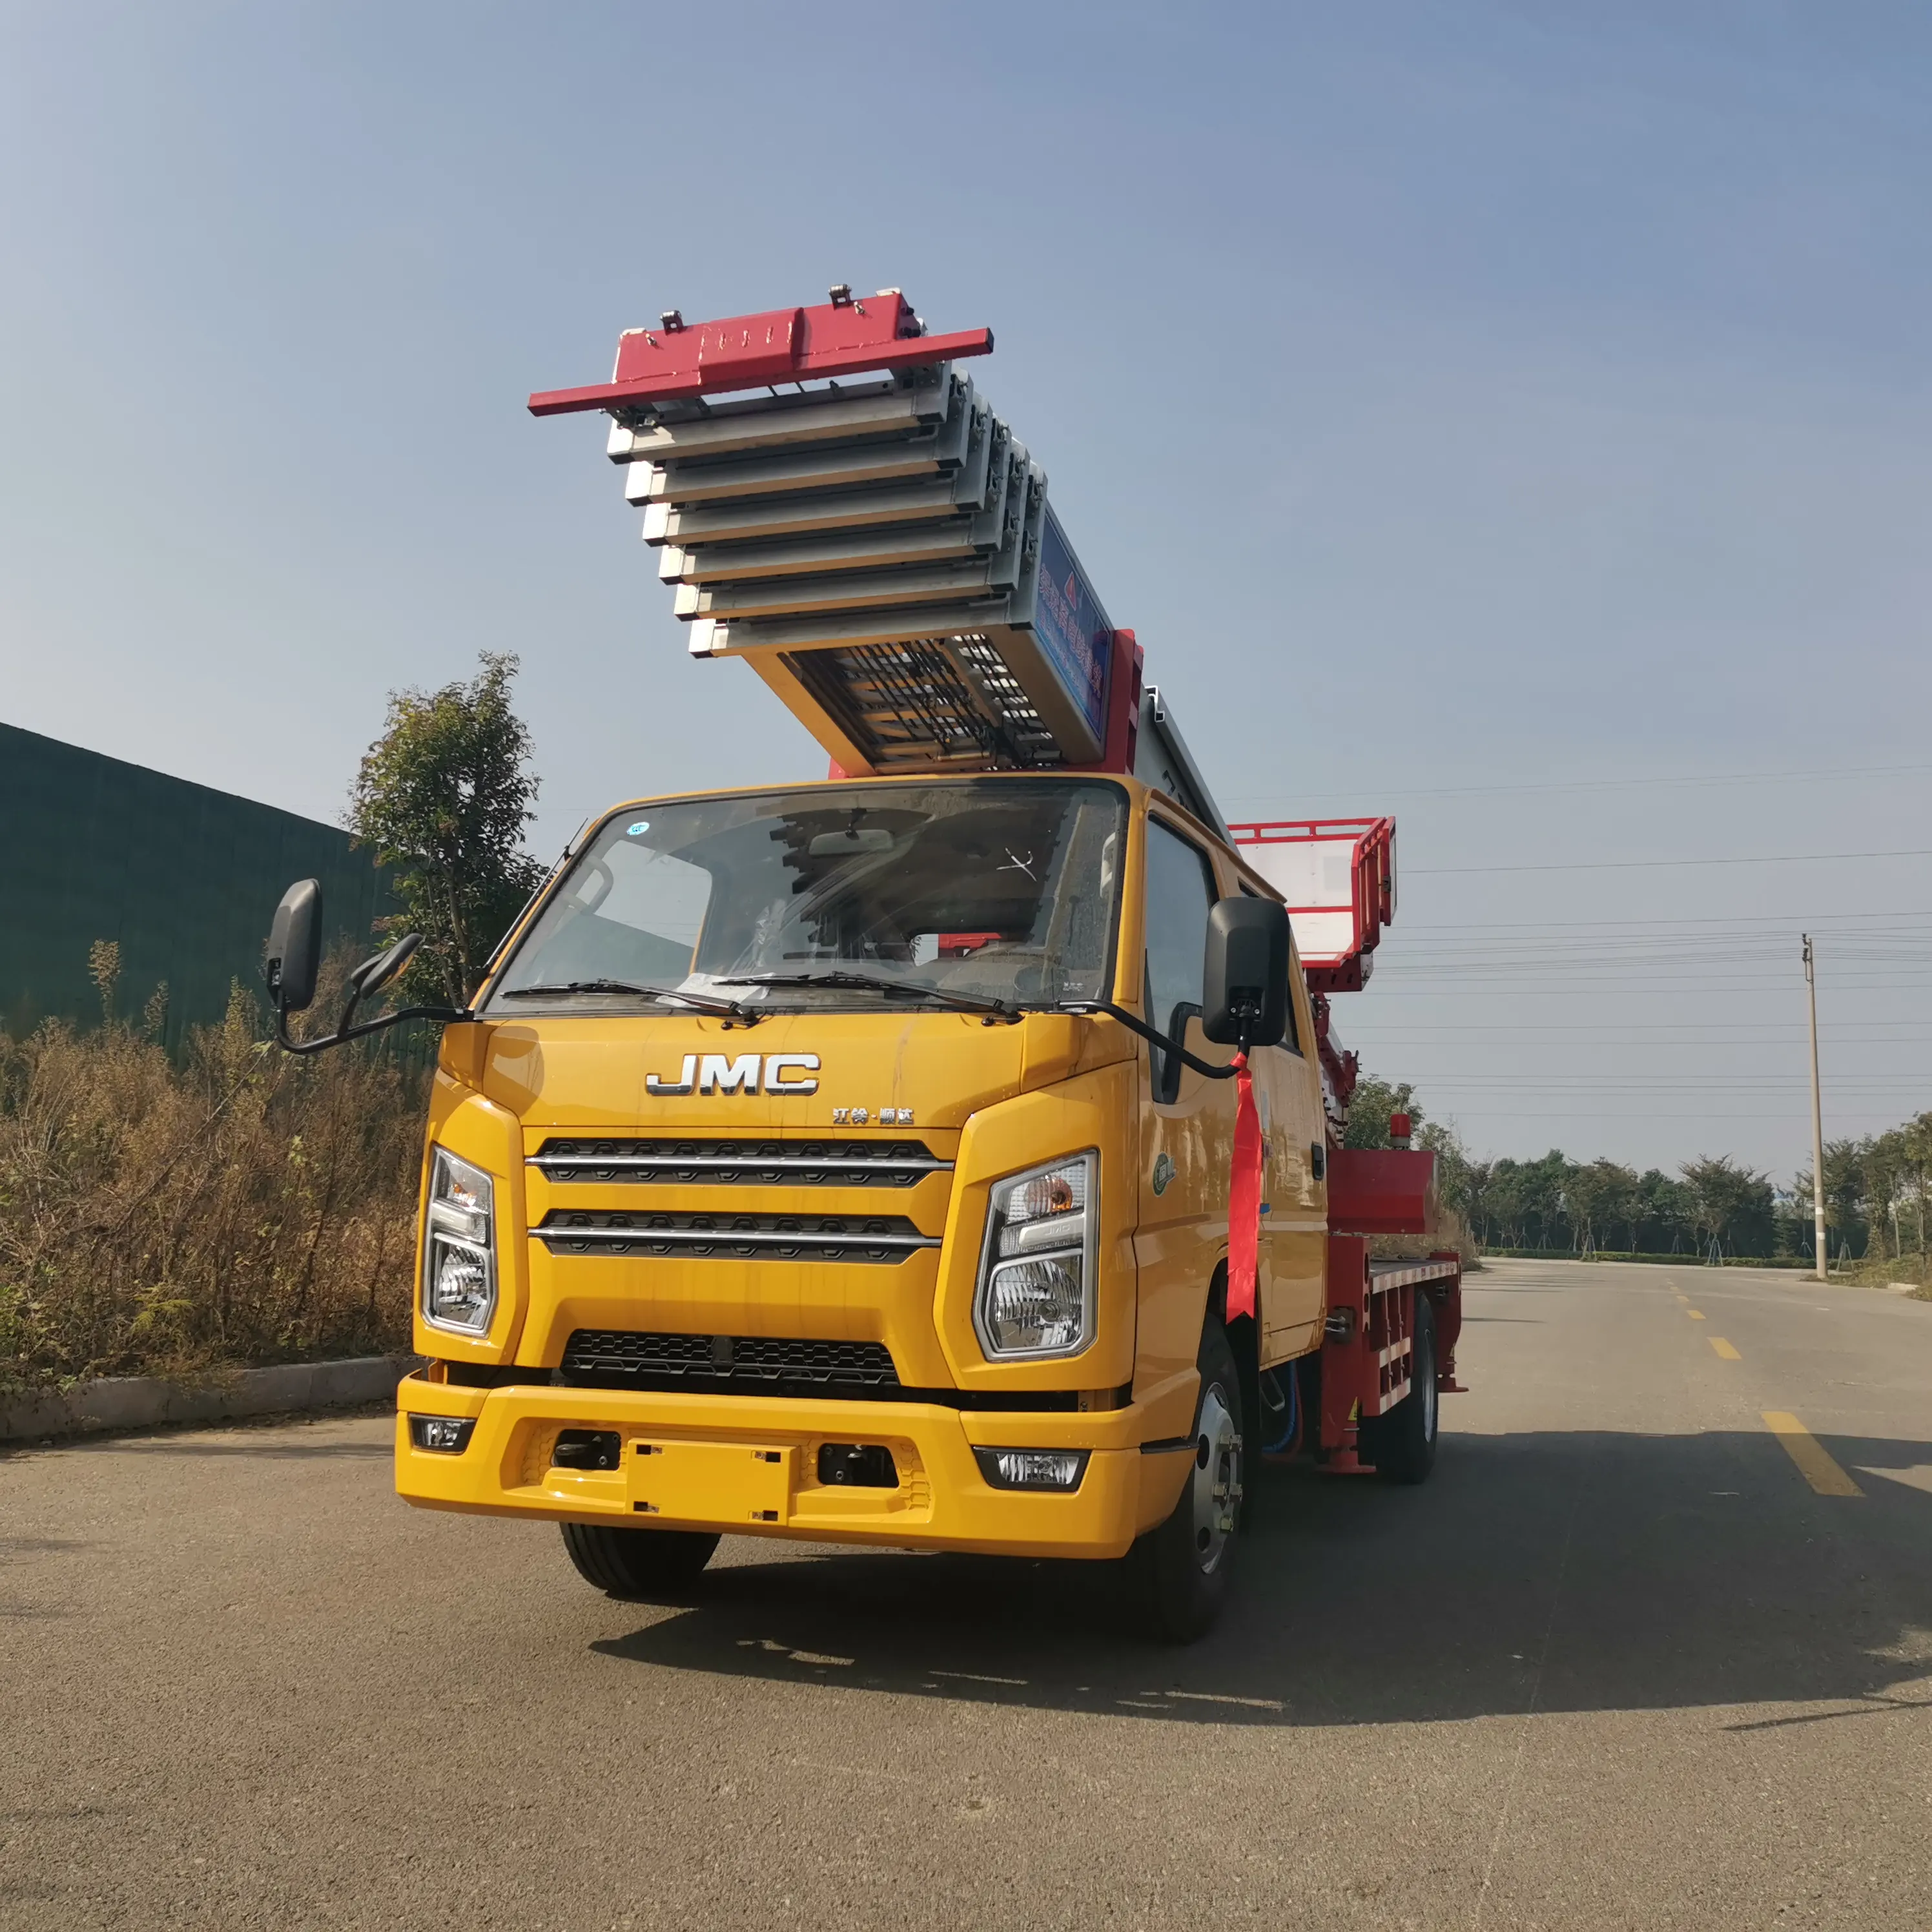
x: 1217, y: 1489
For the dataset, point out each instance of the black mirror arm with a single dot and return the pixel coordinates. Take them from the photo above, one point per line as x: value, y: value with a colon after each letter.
x: 1152, y: 1035
x: 345, y: 1032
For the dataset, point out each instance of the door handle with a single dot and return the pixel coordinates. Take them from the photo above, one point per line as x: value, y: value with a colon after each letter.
x: 1317, y: 1159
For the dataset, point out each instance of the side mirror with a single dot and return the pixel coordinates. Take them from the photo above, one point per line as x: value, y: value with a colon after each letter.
x: 1244, y: 973
x: 374, y: 973
x: 295, y: 947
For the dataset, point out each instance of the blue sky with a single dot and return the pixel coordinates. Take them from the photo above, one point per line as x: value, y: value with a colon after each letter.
x: 1513, y: 417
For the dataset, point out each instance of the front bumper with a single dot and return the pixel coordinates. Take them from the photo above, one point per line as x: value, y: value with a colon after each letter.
x: 942, y: 1502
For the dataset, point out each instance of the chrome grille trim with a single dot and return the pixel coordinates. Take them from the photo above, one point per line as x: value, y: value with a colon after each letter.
x: 743, y: 1163
x: 832, y: 1237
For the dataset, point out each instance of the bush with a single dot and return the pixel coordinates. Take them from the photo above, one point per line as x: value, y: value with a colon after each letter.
x: 237, y: 1206
x: 1649, y: 1257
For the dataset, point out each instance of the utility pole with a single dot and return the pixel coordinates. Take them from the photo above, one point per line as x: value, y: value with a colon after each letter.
x: 1823, y: 1251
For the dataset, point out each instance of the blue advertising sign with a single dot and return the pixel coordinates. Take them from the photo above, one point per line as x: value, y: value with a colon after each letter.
x: 1071, y: 627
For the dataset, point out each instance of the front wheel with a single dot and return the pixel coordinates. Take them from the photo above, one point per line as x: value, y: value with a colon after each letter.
x: 638, y: 1565
x: 1188, y: 1559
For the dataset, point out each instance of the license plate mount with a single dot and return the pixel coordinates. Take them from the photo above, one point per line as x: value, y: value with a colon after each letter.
x: 671, y: 1481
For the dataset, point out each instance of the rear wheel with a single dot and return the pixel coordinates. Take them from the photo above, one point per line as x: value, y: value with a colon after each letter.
x: 1402, y: 1444
x: 1189, y: 1558
x: 639, y: 1563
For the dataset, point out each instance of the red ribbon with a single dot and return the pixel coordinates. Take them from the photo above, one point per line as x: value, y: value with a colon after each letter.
x: 1244, y: 1196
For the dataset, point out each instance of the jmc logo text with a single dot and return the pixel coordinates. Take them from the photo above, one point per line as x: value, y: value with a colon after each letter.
x: 719, y: 1073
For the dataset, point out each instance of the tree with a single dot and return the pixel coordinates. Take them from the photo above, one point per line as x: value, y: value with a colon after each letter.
x: 1732, y: 1203
x: 1664, y: 1215
x: 1370, y: 1107
x: 1846, y: 1192
x: 1525, y: 1199
x: 1918, y: 1136
x: 1887, y: 1179
x: 443, y: 796
x: 1479, y: 1187
x: 1457, y: 1179
x: 1598, y: 1196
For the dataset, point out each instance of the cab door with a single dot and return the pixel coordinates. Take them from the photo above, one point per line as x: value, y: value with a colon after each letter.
x: 1294, y: 1228
x: 1187, y: 1135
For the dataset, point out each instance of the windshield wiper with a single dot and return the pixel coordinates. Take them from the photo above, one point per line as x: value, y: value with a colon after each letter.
x: 966, y: 1002
x: 736, y: 1009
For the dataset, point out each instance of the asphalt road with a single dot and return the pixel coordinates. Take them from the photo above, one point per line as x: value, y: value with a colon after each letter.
x: 1620, y: 1663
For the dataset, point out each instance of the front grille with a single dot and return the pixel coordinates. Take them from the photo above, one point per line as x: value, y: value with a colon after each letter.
x: 616, y: 1358
x: 778, y: 1238
x: 766, y: 1163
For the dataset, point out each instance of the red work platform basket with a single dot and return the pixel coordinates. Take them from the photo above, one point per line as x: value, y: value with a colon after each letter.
x: 1338, y: 877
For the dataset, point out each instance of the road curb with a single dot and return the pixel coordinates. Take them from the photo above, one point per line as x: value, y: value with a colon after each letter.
x: 142, y: 1402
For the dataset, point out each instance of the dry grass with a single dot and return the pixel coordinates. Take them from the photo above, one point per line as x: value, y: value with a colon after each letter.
x: 1878, y: 1272
x: 236, y: 1206
x: 1451, y: 1230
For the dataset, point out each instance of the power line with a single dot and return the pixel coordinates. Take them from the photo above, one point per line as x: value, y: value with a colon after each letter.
x: 1704, y: 1028
x: 1623, y: 784
x: 1736, y: 919
x: 1655, y: 989
x: 1585, y: 1117
x: 1659, y: 865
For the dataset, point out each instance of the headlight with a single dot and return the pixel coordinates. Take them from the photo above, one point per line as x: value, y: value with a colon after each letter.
x: 459, y: 1280
x: 1036, y: 1296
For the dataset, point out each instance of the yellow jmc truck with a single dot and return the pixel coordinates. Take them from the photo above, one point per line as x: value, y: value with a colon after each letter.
x: 852, y: 1161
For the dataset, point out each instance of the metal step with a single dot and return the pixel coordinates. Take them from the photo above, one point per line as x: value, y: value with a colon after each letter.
x: 963, y: 494
x: 731, y: 429
x: 930, y: 450
x: 857, y: 550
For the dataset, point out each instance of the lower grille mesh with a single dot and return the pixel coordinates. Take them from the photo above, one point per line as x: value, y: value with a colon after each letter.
x: 615, y: 1357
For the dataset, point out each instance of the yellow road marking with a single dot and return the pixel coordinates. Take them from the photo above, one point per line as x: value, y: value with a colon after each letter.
x: 1723, y: 1348
x: 1814, y: 1464
x: 1693, y: 1314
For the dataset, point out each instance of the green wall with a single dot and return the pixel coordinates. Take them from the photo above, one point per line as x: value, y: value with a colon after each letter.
x: 185, y: 878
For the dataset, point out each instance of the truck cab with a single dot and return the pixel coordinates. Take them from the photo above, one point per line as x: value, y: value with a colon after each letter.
x: 787, y: 1182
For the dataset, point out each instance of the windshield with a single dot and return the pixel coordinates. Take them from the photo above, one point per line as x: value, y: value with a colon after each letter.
x: 977, y: 890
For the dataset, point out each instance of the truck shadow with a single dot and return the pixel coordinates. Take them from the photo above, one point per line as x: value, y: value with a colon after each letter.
x: 1556, y: 1572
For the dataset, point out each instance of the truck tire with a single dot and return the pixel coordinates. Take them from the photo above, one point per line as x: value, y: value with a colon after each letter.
x: 1402, y: 1444
x: 638, y: 1565
x: 1186, y: 1561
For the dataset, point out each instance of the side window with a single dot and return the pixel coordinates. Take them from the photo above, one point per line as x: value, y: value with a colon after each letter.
x: 1291, y: 1040
x: 1180, y: 890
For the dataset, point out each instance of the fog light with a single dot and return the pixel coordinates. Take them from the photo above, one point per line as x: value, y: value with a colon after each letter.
x: 1033, y: 1468
x: 449, y: 1434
